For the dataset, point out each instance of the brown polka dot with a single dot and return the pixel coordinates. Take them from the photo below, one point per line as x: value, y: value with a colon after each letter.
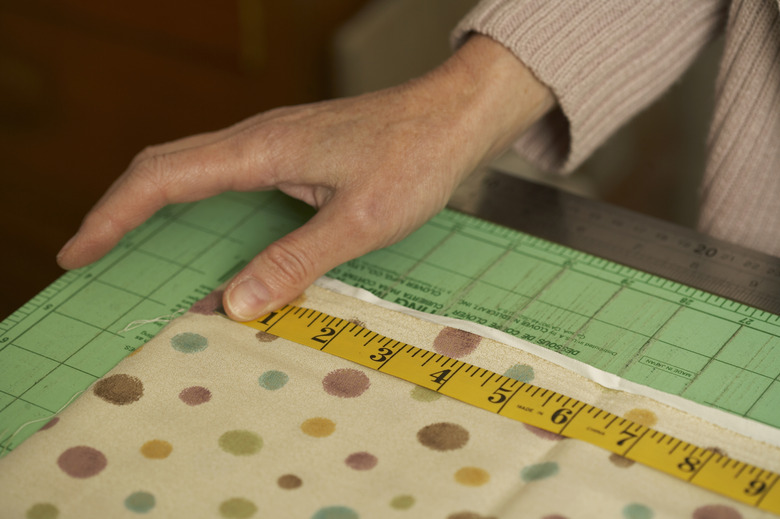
x: 345, y: 383
x: 209, y: 304
x: 361, y: 461
x: 717, y: 450
x: 642, y: 417
x: 620, y: 461
x: 716, y: 512
x: 472, y: 476
x: 546, y: 435
x: 119, y: 389
x: 195, y: 395
x: 265, y: 337
x: 358, y: 322
x: 455, y: 343
x: 318, y: 427
x: 469, y: 515
x: 82, y: 462
x: 51, y: 423
x: 156, y: 449
x: 289, y: 482
x: 443, y: 436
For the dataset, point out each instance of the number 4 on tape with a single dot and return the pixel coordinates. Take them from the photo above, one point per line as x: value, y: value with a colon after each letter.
x: 526, y: 403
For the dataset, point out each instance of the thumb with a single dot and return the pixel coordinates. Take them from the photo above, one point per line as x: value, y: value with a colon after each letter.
x: 282, y: 271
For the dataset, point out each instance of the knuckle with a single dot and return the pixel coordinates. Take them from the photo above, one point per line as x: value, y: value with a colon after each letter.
x: 289, y: 266
x: 155, y: 174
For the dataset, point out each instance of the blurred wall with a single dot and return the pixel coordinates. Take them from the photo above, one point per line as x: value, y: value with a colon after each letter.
x: 86, y: 84
x: 652, y: 165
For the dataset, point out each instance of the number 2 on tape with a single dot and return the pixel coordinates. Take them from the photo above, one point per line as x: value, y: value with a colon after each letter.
x: 526, y: 403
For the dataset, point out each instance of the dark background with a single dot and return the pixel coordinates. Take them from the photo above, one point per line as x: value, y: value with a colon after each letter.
x: 86, y: 84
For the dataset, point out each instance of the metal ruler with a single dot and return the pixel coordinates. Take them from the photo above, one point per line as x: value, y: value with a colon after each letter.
x: 625, y: 237
x: 645, y: 327
x: 526, y: 403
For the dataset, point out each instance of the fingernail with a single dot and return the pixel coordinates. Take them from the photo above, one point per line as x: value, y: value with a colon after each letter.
x: 65, y: 248
x: 248, y: 299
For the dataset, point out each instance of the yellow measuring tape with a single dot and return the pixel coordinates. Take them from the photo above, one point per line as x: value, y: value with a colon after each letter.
x: 526, y: 403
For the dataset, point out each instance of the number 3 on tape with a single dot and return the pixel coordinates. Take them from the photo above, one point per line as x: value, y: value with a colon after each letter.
x: 526, y: 403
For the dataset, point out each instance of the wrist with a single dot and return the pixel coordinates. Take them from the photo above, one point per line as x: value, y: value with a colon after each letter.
x: 497, y: 96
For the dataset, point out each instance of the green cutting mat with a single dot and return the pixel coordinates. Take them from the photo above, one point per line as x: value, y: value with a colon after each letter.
x: 641, y: 327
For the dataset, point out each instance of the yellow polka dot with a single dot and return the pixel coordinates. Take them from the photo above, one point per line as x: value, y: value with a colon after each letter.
x: 156, y: 449
x: 472, y: 476
x: 642, y: 417
x: 318, y: 427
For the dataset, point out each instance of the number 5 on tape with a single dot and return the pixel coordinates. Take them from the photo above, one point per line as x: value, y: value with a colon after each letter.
x: 526, y: 403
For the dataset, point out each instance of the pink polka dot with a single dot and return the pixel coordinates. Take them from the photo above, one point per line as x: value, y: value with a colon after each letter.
x: 195, y: 395
x: 361, y: 461
x: 455, y: 343
x: 209, y: 304
x: 716, y: 512
x: 51, y: 423
x: 82, y: 462
x: 346, y: 383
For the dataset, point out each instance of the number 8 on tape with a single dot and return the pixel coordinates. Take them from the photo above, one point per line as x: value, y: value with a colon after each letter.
x: 526, y: 403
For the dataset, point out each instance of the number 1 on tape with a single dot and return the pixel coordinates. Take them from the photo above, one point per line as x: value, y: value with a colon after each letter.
x: 526, y: 403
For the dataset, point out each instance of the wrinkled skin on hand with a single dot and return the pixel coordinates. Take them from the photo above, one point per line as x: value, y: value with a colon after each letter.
x: 376, y: 167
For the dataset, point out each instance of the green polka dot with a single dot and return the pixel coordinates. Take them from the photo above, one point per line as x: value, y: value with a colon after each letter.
x: 237, y: 508
x: 273, y: 380
x: 42, y: 511
x: 423, y: 394
x: 520, y: 372
x: 539, y: 471
x: 189, y: 342
x: 335, y: 512
x: 637, y: 511
x: 403, y: 502
x: 140, y: 502
x: 240, y: 443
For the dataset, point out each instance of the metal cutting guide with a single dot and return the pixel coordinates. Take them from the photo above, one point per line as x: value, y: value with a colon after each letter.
x: 643, y: 326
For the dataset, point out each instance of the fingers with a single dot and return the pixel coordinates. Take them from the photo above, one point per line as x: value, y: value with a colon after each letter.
x: 191, y: 169
x: 287, y: 267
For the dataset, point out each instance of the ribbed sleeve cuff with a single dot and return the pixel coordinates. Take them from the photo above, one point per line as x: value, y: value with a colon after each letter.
x: 603, y: 60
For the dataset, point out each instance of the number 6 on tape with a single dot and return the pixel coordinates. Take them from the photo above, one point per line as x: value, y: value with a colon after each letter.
x: 526, y: 403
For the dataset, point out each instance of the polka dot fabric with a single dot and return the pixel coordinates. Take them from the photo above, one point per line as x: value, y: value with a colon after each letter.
x: 212, y: 419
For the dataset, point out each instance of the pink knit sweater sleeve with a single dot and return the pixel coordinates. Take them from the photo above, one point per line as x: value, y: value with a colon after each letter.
x: 604, y: 60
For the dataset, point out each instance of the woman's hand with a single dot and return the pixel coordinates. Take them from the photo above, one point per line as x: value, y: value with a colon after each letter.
x: 375, y: 166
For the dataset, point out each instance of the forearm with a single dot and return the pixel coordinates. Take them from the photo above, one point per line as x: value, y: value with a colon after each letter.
x: 484, y: 95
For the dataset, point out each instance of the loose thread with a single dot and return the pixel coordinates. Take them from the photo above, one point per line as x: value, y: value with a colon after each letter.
x: 162, y: 319
x: 7, y: 447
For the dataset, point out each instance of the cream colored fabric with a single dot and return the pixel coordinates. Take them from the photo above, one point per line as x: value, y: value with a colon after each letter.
x: 212, y: 419
x: 606, y: 60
